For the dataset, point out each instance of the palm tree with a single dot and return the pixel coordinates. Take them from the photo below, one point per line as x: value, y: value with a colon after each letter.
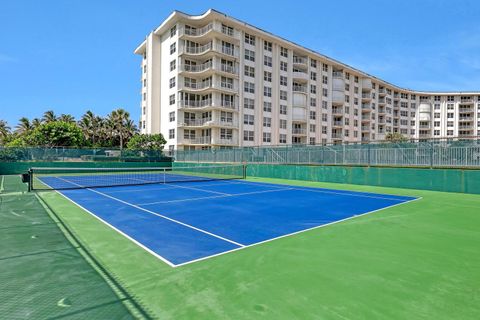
x: 49, y: 116
x: 4, y: 130
x: 24, y: 126
x: 36, y: 122
x: 120, y: 125
x: 91, y: 126
x: 66, y: 118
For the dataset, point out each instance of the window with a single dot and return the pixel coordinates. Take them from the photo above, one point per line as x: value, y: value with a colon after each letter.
x: 171, y: 116
x: 171, y: 99
x: 171, y: 134
x: 324, y: 117
x: 283, y: 109
x: 283, y: 66
x: 436, y: 132
x: 313, y: 115
x: 267, y: 122
x: 144, y: 110
x: 313, y: 76
x: 226, y: 134
x: 267, y: 46
x: 325, y: 67
x: 313, y: 102
x: 249, y: 87
x: 267, y: 76
x: 173, y: 48
x: 267, y: 106
x: 313, y: 89
x: 324, y: 79
x: 173, y: 65
x: 283, y: 80
x: 188, y: 134
x: 249, y: 39
x: 267, y: 91
x: 325, y: 92
x: 248, y: 119
x: 313, y: 128
x: 250, y: 71
x: 248, y: 103
x: 143, y: 124
x: 172, y: 82
x: 436, y: 124
x: 283, y: 138
x: 267, y: 61
x: 226, y: 117
x: 325, y: 104
x: 144, y: 82
x: 283, y: 95
x: 249, y: 55
x: 267, y: 137
x: 450, y: 98
x: 173, y: 31
x: 283, y: 124
x: 144, y: 96
x: 284, y: 52
x: 247, y: 135
x: 312, y: 140
x: 313, y: 63
x: 437, y: 106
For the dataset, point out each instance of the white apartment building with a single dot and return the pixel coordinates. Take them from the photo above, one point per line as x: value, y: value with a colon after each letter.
x: 214, y: 81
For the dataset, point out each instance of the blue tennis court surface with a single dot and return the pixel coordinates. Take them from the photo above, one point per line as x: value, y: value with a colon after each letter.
x: 189, y: 221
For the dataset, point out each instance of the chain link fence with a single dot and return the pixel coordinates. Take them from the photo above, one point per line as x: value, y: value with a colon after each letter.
x: 434, y: 153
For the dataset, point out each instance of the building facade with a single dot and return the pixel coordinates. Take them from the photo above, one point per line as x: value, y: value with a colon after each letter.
x: 214, y: 81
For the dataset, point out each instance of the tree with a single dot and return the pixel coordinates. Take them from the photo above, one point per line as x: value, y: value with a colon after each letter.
x: 120, y: 126
x: 146, y: 142
x: 4, y: 131
x: 66, y: 118
x: 49, y: 116
x: 24, y: 126
x: 56, y: 134
x: 36, y: 122
x: 395, y: 137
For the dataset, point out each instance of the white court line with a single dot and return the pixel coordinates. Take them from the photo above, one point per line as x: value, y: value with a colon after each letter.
x: 292, y: 234
x: 236, y: 249
x: 191, y: 188
x: 312, y: 189
x: 1, y: 183
x: 163, y: 187
x: 114, y: 228
x: 214, y: 197
x: 157, y: 214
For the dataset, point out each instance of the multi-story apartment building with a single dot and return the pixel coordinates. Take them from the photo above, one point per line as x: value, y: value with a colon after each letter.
x: 214, y: 81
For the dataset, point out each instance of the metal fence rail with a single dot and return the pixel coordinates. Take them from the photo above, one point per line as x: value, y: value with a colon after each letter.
x: 424, y: 154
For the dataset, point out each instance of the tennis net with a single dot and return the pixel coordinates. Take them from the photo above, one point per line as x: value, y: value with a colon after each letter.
x: 79, y: 178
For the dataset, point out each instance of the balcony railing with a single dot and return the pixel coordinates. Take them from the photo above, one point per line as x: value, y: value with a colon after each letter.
x: 216, y: 65
x: 207, y: 123
x: 337, y: 123
x: 199, y: 140
x: 338, y: 74
x: 337, y: 135
x: 189, y: 104
x: 300, y: 60
x: 216, y: 46
x: 337, y: 111
x: 366, y: 96
x: 366, y: 106
x: 301, y: 131
x: 208, y: 84
x: 198, y: 49
x: 199, y: 32
x: 302, y: 89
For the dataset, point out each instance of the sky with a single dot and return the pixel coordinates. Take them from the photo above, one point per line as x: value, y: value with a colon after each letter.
x: 71, y: 56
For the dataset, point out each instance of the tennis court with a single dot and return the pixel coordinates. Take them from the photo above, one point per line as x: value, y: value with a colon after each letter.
x: 191, y: 214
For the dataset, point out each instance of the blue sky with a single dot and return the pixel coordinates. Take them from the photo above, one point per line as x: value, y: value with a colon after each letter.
x: 75, y: 55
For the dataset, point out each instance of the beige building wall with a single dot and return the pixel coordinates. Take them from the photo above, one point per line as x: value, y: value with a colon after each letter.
x: 214, y: 81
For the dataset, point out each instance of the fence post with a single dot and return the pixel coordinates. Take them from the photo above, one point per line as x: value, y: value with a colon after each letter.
x: 368, y: 155
x: 431, y: 155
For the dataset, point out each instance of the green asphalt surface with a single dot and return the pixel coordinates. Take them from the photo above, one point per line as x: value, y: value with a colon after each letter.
x: 420, y: 260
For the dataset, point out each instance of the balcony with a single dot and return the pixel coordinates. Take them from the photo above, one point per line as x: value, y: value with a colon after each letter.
x: 466, y: 127
x: 382, y: 101
x: 221, y: 30
x: 300, y: 75
x: 382, y: 111
x: 207, y: 104
x: 366, y: 107
x: 337, y: 111
x: 208, y: 85
x: 299, y: 117
x: 367, y: 84
x: 200, y: 140
x: 424, y: 126
x: 204, y: 68
x: 338, y: 98
x: 337, y: 124
x: 382, y: 92
x: 207, y: 123
x: 212, y: 46
x: 465, y: 118
x: 300, y: 61
x: 299, y: 89
x: 366, y: 128
x: 299, y: 131
x: 466, y: 110
x: 366, y: 96
x: 337, y: 74
x: 468, y: 100
x: 337, y: 135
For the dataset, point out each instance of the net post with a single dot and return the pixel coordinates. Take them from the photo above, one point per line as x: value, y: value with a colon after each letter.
x: 244, y: 169
x: 30, y: 180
